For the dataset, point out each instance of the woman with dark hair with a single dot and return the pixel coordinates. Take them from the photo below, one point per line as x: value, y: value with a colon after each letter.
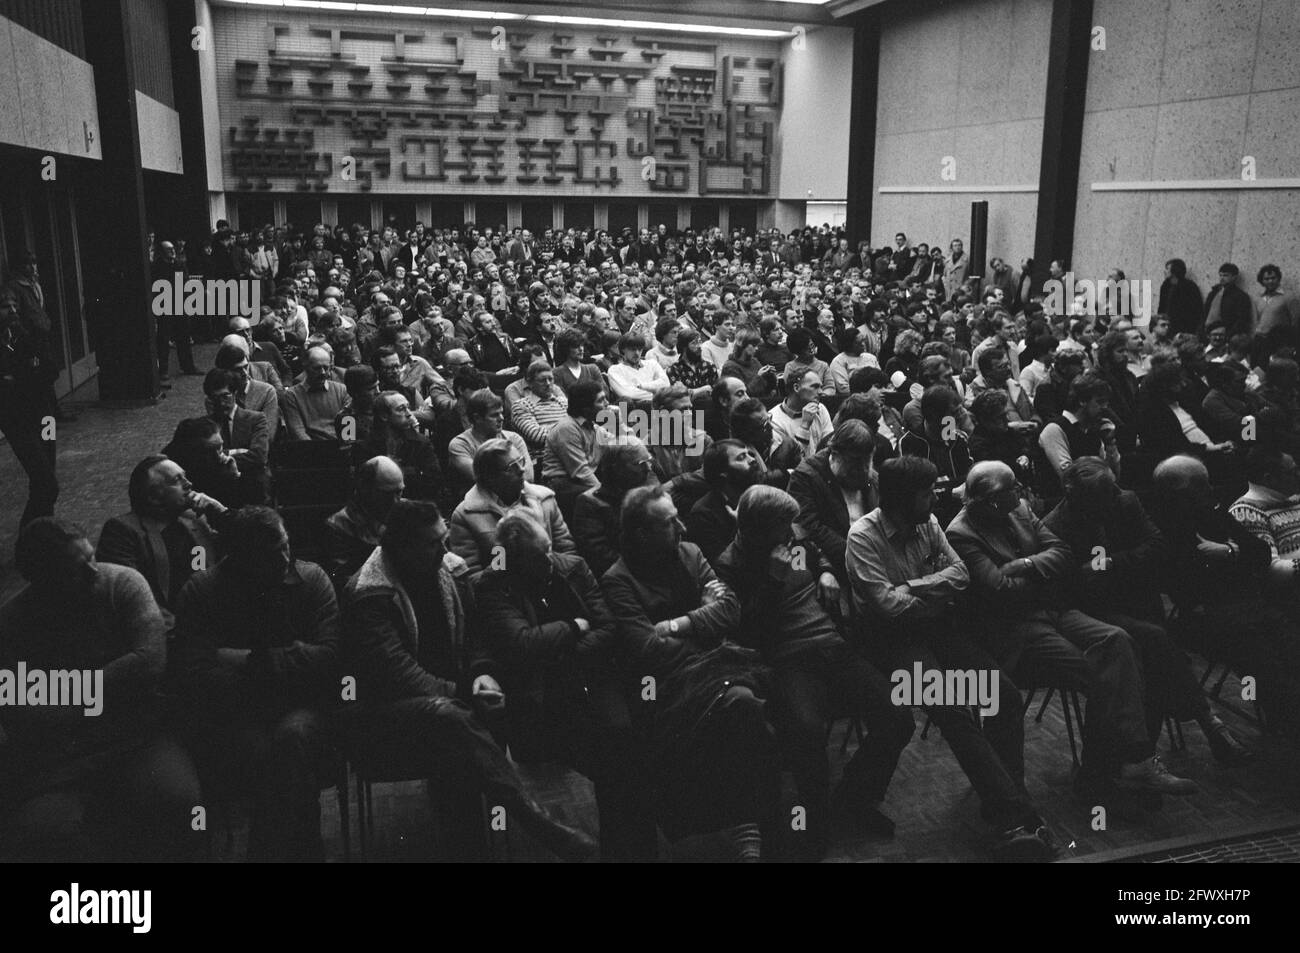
x: 692, y: 370
x: 197, y: 448
x: 570, y: 368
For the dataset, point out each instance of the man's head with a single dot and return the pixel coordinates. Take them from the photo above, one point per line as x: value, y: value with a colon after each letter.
x: 751, y: 423
x: 731, y: 466
x: 649, y: 529
x: 994, y: 366
x: 1090, y: 486
x: 727, y: 392
x: 316, y: 364
x: 231, y: 357
x: 907, y: 489
x: 57, y: 559
x: 991, y: 492
x: 388, y: 367
x: 541, y: 379
x: 851, y: 447
x: 394, y: 411
x: 499, y: 469
x: 1088, y: 397
x: 587, y: 400
x: 1271, y: 468
x: 1182, y: 483
x: 525, y: 547
x: 414, y: 539
x: 765, y: 518
x: 259, y: 545
x: 1269, y: 277
x: 626, y: 465
x: 220, y: 388
x: 486, y: 413
x: 380, y: 484
x: 158, y: 488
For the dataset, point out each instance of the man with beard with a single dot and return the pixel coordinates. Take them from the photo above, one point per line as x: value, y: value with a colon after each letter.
x: 730, y: 467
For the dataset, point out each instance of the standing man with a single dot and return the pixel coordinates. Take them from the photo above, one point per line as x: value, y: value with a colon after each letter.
x: 171, y: 327
x: 24, y: 407
x: 26, y: 289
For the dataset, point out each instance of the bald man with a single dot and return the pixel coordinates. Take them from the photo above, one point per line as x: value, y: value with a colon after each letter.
x: 309, y: 408
x: 263, y: 351
x: 1217, y: 574
x: 354, y: 531
x: 1017, y: 567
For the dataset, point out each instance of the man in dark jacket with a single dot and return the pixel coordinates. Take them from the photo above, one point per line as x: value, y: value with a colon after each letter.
x: 1016, y: 566
x: 1213, y: 573
x: 716, y: 764
x: 256, y: 646
x: 545, y: 622
x: 834, y: 488
x: 730, y: 467
x: 1227, y: 306
x: 80, y: 788
x: 169, y: 533
x: 422, y: 681
x: 784, y: 589
x: 1119, y: 556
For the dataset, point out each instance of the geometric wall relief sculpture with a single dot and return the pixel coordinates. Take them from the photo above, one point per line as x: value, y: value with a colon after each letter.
x: 313, y: 104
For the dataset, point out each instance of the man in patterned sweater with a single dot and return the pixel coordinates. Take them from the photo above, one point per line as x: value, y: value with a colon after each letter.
x: 1270, y: 511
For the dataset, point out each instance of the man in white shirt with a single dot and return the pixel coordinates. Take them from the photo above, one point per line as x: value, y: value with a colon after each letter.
x: 801, y: 416
x: 633, y: 378
x: 1041, y: 351
x: 717, y: 349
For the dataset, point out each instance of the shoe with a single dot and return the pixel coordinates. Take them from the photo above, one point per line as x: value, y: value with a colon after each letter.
x: 65, y: 416
x: 1152, y: 775
x: 566, y: 843
x: 1020, y: 843
x: 191, y: 372
x: 164, y: 376
x: 165, y: 384
x: 1223, y: 744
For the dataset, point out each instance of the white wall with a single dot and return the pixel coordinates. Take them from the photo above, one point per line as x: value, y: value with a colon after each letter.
x: 813, y: 137
x: 49, y: 96
x: 160, y: 135
x: 966, y: 81
x: 1202, y: 84
x: 212, y: 138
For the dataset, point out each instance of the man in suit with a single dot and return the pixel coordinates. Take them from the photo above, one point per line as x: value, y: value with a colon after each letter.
x: 521, y: 248
x: 254, y: 395
x: 168, y: 524
x: 245, y: 433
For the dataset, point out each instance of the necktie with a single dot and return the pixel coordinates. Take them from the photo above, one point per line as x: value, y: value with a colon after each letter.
x: 225, y: 432
x: 161, y: 563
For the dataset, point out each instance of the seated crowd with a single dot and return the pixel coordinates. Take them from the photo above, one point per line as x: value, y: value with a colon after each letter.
x: 661, y: 508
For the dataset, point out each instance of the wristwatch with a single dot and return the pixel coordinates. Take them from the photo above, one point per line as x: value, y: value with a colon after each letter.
x: 673, y: 627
